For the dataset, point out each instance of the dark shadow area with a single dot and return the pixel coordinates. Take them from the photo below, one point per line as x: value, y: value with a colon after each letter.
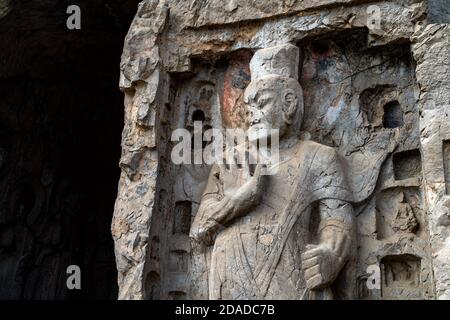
x: 61, y: 117
x: 393, y: 115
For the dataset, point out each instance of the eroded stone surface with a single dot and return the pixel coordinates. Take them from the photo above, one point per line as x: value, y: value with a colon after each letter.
x: 433, y: 71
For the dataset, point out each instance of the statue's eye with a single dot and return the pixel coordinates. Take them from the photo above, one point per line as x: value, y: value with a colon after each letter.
x: 261, y: 103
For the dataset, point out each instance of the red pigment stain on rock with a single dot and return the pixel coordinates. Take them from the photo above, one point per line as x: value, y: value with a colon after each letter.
x: 309, y: 70
x: 236, y: 79
x: 318, y: 52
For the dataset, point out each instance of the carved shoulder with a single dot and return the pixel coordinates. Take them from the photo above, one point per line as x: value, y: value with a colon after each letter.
x: 324, y: 155
x: 328, y: 168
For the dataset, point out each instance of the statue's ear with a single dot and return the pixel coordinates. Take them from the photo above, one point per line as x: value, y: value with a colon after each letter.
x: 290, y: 102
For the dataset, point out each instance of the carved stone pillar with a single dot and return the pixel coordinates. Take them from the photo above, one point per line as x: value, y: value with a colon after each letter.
x: 432, y: 53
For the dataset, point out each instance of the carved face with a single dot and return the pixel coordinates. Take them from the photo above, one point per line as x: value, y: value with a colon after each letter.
x: 272, y: 102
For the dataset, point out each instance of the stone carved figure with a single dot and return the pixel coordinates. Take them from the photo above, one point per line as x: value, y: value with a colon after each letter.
x: 256, y: 226
x: 405, y: 220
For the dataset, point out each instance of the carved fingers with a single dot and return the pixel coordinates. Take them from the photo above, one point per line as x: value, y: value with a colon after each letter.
x: 229, y: 176
x: 314, y: 282
x: 249, y: 193
x: 246, y: 169
x: 239, y: 183
x: 208, y: 220
x: 309, y: 263
x: 257, y: 177
x: 317, y: 266
x: 202, y: 233
x: 233, y: 176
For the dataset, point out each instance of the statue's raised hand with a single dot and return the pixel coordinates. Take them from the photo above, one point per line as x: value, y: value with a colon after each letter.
x: 322, y: 263
x: 240, y: 191
x: 240, y: 186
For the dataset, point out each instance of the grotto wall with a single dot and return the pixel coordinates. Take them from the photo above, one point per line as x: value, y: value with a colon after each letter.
x: 432, y: 55
x: 374, y: 76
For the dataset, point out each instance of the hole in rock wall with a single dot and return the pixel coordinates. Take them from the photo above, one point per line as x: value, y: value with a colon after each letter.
x: 407, y: 164
x: 393, y: 115
x: 198, y: 115
x: 152, y: 283
x: 320, y: 47
x: 400, y: 277
x: 388, y: 115
x: 178, y: 261
x: 177, y: 295
x: 182, y: 217
x: 61, y: 118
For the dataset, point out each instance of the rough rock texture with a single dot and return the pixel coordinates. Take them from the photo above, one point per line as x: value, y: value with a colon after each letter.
x: 140, y: 80
x: 431, y: 51
x: 365, y: 94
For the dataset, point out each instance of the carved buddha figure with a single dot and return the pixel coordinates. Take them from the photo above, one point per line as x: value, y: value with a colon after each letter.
x: 258, y: 226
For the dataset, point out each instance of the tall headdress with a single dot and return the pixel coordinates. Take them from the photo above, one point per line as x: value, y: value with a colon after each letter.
x: 282, y: 60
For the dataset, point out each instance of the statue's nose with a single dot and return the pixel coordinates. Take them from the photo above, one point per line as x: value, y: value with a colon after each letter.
x: 255, y: 116
x: 255, y: 121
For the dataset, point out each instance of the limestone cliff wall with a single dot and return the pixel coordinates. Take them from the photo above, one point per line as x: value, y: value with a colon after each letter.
x: 359, y: 60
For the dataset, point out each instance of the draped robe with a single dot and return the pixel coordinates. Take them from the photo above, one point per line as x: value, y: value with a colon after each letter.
x: 258, y: 255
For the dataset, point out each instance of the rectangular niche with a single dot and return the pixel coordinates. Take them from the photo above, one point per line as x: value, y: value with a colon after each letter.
x: 446, y: 154
x: 182, y: 218
x: 400, y: 277
x: 177, y: 295
x: 178, y: 261
x: 407, y: 164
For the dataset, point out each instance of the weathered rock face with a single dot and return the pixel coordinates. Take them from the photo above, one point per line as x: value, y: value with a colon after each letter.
x: 431, y: 51
x: 60, y: 123
x: 374, y: 94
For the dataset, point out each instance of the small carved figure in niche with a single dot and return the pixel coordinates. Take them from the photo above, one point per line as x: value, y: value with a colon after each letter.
x: 400, y: 272
x: 401, y: 277
x: 258, y: 225
x: 405, y: 220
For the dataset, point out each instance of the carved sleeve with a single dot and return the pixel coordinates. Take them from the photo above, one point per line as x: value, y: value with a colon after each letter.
x: 336, y: 228
x: 336, y: 213
x: 213, y: 210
